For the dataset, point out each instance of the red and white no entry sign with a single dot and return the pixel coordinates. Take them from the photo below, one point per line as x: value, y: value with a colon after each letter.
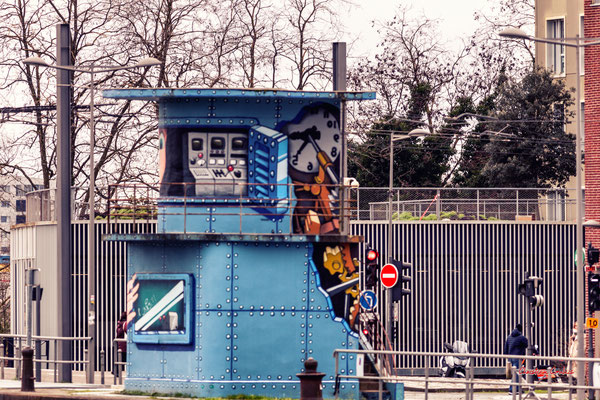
x: 389, y: 275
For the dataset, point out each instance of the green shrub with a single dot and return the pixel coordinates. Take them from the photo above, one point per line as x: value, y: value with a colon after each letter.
x: 404, y: 216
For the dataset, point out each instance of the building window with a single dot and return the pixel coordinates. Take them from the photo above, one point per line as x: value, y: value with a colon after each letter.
x: 5, y: 250
x: 5, y: 188
x: 5, y: 203
x: 19, y: 190
x: 21, y: 206
x: 20, y: 219
x: 556, y: 52
x: 4, y: 218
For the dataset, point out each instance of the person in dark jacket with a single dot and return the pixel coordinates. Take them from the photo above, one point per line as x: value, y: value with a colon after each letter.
x: 516, y: 344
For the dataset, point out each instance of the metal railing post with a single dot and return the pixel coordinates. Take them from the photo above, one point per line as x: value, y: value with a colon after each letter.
x: 477, y: 204
x: 570, y: 380
x: 114, y: 363
x: 290, y: 208
x: 185, y: 189
x: 2, y: 359
x: 549, y: 379
x: 119, y: 365
x: 102, y: 366
x: 426, y: 378
x: 37, y: 359
x: 467, y: 383
x: 134, y: 207
x: 380, y: 388
x: 86, y: 362
x: 241, y: 210
x: 19, y: 358
x: 55, y: 363
x: 438, y: 204
x: 358, y: 204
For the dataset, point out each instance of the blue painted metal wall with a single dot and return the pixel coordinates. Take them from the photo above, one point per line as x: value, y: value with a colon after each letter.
x: 259, y: 312
x: 264, y: 165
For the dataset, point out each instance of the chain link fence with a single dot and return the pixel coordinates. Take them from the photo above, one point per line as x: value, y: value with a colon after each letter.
x: 442, y: 204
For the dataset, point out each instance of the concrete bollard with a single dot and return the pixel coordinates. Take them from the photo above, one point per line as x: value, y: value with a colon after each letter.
x: 27, y: 378
x: 310, y: 381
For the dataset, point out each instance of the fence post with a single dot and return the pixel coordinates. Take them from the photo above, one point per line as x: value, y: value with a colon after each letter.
x: 119, y: 365
x: 37, y: 359
x: 549, y: 379
x: 290, y: 209
x: 55, y: 364
x: 426, y: 377
x: 358, y: 204
x: 477, y: 204
x: 102, y: 366
x: 18, y: 355
x: 185, y: 189
x: 438, y: 203
x: 2, y: 359
x: 114, y: 365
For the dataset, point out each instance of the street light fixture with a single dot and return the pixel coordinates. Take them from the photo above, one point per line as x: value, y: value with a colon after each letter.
x: 92, y: 69
x: 577, y: 43
x: 418, y: 132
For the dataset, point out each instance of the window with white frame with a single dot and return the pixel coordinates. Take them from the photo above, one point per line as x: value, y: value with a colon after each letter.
x: 555, y: 56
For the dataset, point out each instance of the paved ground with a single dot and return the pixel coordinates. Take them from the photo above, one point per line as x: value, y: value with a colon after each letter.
x: 445, y: 389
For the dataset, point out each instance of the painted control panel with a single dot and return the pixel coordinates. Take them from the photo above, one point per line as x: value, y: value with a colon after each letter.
x: 219, y: 162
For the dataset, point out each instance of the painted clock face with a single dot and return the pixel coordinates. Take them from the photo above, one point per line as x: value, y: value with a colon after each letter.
x: 318, y: 130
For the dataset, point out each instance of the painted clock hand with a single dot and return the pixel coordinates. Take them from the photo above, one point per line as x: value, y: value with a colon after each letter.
x: 306, y: 136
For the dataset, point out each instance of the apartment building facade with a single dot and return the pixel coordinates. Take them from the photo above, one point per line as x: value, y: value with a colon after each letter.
x: 13, y: 206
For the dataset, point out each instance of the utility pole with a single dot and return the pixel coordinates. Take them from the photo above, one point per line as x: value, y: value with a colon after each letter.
x: 339, y: 84
x: 64, y: 84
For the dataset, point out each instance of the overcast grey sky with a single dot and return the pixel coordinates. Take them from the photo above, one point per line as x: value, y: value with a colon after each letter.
x: 455, y: 18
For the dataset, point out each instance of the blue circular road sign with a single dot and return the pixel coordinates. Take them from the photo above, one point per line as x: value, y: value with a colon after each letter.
x: 368, y: 300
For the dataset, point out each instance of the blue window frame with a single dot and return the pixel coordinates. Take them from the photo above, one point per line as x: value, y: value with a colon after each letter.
x: 164, y: 309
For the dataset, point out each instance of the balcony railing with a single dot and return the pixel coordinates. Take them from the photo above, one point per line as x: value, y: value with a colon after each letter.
x: 312, y: 209
x: 470, y: 204
x: 140, y: 202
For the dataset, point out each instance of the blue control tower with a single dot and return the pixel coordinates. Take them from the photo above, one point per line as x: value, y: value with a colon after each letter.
x: 250, y: 271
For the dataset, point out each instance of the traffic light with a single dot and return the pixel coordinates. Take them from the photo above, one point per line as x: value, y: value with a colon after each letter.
x: 404, y: 277
x: 372, y: 268
x: 593, y: 255
x: 369, y: 324
x: 594, y: 292
x: 528, y: 288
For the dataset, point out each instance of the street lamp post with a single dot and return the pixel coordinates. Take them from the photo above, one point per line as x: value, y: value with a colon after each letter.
x: 388, y: 298
x: 579, y: 42
x: 92, y: 70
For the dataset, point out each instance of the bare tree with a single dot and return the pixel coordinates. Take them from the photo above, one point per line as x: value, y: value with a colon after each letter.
x: 412, y: 65
x: 312, y: 26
